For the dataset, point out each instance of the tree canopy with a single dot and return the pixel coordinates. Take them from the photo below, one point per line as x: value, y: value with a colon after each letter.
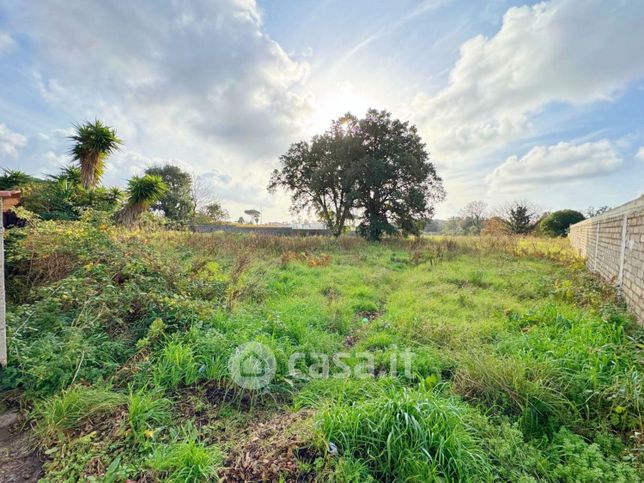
x: 93, y: 143
x: 375, y: 169
x: 177, y: 203
x: 254, y: 215
x: 142, y: 193
x: 320, y: 173
x: 558, y: 222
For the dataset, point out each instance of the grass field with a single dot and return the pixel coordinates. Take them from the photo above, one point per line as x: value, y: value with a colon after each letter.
x: 510, y: 362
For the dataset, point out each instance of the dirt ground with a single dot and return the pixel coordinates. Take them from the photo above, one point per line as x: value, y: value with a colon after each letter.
x: 19, y: 461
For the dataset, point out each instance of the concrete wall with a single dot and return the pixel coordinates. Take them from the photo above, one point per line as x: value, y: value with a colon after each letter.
x: 260, y: 230
x: 613, y: 245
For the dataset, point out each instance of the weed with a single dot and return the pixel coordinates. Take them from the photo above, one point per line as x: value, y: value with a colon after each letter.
x: 408, y: 436
x: 175, y: 365
x: 146, y: 410
x: 185, y: 459
x: 71, y: 407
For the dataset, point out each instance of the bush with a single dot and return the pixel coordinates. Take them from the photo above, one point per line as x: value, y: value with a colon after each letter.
x: 558, y: 223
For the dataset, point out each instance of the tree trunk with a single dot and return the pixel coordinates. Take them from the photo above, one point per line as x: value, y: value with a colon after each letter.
x: 88, y: 167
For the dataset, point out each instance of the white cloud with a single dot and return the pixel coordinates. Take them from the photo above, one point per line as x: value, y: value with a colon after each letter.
x: 187, y: 72
x: 640, y: 154
x: 10, y: 142
x: 558, y: 51
x: 6, y: 42
x: 198, y: 81
x: 558, y: 163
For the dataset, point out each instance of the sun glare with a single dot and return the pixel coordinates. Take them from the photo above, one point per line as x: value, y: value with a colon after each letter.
x: 333, y: 104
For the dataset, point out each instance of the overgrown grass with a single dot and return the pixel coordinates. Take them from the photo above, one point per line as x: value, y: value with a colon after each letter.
x: 71, y: 407
x: 147, y: 412
x: 185, y: 460
x: 408, y: 436
x: 524, y: 366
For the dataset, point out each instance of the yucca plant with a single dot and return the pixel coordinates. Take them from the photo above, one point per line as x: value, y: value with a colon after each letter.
x: 71, y: 174
x: 14, y: 178
x: 94, y: 142
x: 142, y: 192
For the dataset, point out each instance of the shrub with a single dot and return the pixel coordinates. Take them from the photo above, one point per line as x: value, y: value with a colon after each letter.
x: 558, y: 223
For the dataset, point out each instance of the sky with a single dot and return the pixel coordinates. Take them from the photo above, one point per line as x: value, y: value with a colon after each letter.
x: 541, y: 102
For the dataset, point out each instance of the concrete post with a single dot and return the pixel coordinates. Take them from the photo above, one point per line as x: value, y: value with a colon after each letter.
x: 620, y: 276
x: 596, y: 247
x: 3, y: 323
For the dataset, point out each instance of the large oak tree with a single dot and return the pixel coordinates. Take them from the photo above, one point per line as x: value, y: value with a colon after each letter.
x: 376, y: 169
x: 320, y: 173
x: 396, y: 184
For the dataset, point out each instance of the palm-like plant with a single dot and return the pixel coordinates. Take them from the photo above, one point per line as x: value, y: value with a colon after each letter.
x: 70, y: 174
x: 14, y: 178
x: 142, y: 192
x: 94, y: 142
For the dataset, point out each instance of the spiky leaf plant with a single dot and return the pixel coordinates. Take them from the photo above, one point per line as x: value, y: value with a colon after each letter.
x: 70, y: 174
x: 142, y: 192
x: 93, y: 143
x: 14, y: 178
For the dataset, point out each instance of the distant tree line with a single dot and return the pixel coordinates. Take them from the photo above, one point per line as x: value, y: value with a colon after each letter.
x: 514, y: 218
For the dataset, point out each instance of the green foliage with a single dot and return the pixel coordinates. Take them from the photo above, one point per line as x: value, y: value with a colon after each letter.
x: 62, y: 197
x: 396, y: 183
x: 376, y: 166
x: 519, y: 218
x: 587, y: 355
x: 71, y: 407
x: 524, y: 369
x: 214, y: 212
x: 146, y: 411
x: 186, y: 460
x: 93, y: 143
x: 142, y: 193
x: 347, y: 470
x: 15, y: 179
x: 408, y: 436
x: 574, y: 460
x: 558, y: 222
x: 320, y: 174
x: 176, y: 365
x: 177, y: 203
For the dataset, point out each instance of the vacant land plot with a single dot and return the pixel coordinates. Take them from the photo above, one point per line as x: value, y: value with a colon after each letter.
x: 466, y: 359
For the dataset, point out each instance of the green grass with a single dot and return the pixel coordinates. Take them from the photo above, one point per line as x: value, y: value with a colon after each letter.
x: 147, y: 412
x: 408, y: 436
x: 185, y: 460
x: 524, y: 366
x: 68, y: 409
